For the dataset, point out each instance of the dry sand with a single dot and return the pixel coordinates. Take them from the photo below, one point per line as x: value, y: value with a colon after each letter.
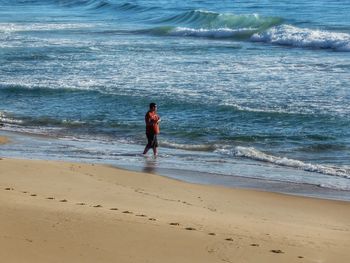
x: 66, y: 212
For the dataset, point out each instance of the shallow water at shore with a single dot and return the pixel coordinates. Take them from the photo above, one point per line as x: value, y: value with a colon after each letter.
x: 181, y: 165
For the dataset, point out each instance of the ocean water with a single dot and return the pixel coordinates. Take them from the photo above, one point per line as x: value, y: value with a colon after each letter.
x: 246, y: 89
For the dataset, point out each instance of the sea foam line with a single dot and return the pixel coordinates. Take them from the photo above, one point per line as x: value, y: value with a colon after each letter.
x: 252, y: 153
x: 16, y: 27
x: 189, y: 147
x: 8, y: 120
x: 211, y: 33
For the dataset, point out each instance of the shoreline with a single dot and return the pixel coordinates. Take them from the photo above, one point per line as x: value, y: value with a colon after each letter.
x: 150, y: 165
x: 248, y: 183
x: 73, y: 212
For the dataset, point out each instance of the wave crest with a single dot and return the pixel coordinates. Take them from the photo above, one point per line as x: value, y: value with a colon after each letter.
x: 199, y: 19
x: 254, y: 154
x: 302, y: 37
x: 207, y: 19
x: 212, y: 33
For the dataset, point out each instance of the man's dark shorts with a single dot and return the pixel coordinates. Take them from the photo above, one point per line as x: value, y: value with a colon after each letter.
x: 152, y: 140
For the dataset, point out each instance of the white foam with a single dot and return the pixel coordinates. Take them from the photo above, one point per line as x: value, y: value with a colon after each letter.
x: 6, y: 119
x: 14, y: 27
x: 302, y: 37
x: 214, y: 33
x: 252, y: 153
x: 189, y: 147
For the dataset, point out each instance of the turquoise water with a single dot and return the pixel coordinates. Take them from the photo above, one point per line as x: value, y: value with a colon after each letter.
x: 258, y: 89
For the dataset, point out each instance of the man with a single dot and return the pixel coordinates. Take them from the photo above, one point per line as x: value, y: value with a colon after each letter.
x: 152, y: 128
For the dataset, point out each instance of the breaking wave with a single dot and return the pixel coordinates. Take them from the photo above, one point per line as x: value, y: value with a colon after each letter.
x: 199, y: 23
x: 253, y: 27
x: 254, y: 154
x: 209, y: 33
x: 288, y: 35
x: 208, y: 24
x: 202, y: 19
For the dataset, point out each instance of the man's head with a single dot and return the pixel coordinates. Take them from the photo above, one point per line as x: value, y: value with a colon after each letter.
x: 152, y: 106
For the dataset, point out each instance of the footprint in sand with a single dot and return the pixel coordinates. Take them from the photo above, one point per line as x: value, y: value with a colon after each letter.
x: 229, y: 239
x: 127, y: 212
x: 50, y: 198
x: 141, y: 215
x: 97, y: 206
x: 152, y: 219
x: 300, y: 257
x: 63, y: 201
x: 80, y: 204
x: 114, y: 209
x: 190, y: 228
x: 277, y: 251
x: 33, y: 195
x: 9, y: 189
x: 174, y: 224
x: 254, y: 245
x: 212, y: 234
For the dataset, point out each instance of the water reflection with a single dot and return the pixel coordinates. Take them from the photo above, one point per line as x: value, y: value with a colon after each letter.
x: 150, y: 165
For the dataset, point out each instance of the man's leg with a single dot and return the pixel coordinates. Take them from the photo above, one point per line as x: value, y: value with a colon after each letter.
x: 148, y: 146
x: 146, y: 149
x: 155, y: 152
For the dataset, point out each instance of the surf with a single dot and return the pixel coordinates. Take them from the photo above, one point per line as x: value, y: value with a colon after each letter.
x: 248, y: 27
x: 256, y: 155
x: 201, y: 23
x: 287, y: 35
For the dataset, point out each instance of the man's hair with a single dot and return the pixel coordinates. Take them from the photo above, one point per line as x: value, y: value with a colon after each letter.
x: 151, y: 105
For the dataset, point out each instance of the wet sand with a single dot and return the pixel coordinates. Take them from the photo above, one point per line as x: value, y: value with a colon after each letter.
x: 3, y: 140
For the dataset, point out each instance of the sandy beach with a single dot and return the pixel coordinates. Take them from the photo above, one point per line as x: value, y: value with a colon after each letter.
x: 71, y: 212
